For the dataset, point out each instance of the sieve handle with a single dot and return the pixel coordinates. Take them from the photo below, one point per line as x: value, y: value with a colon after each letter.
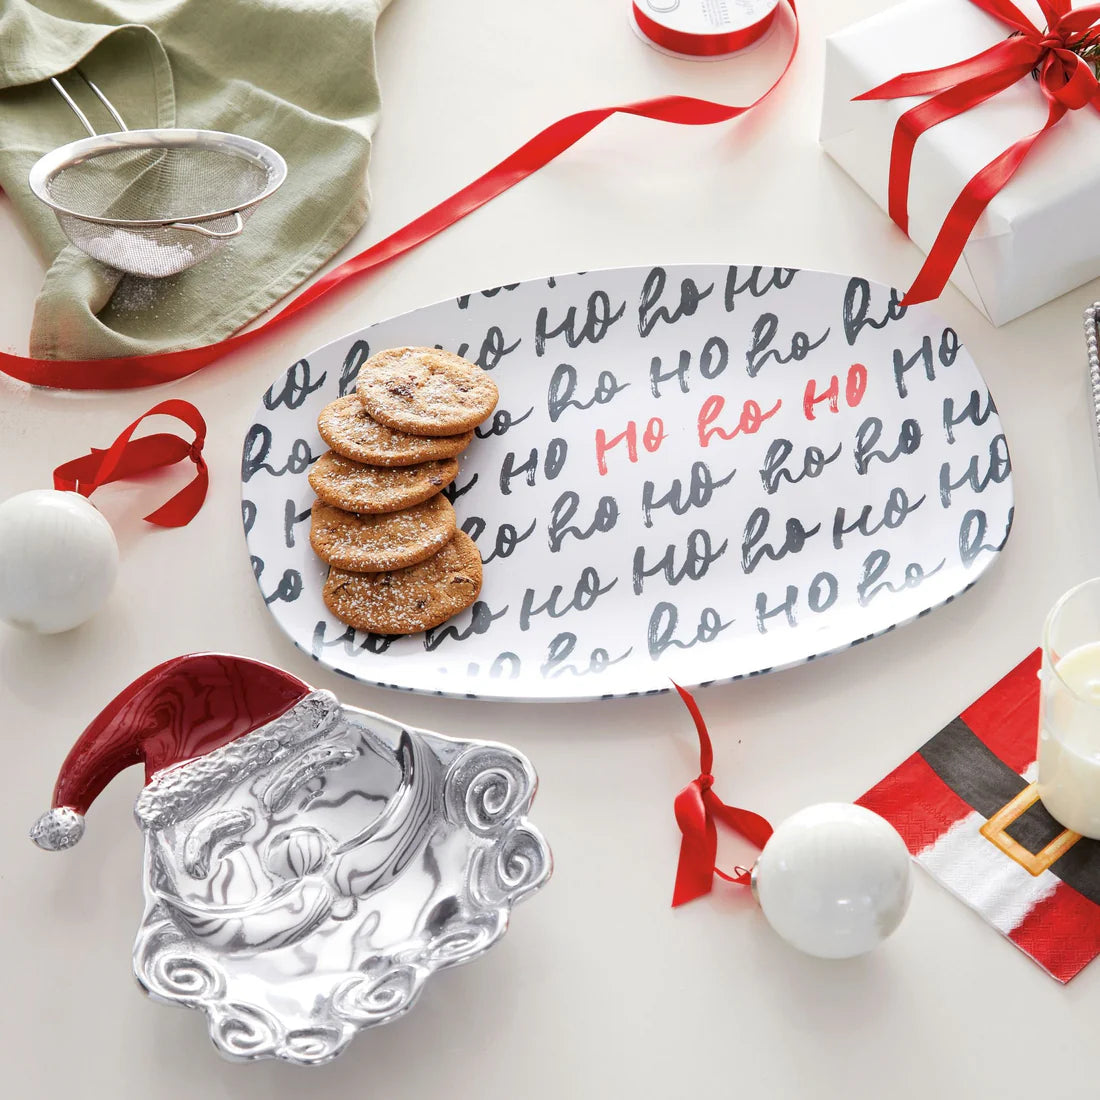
x: 220, y: 235
x: 105, y: 101
x: 79, y: 113
x: 72, y: 104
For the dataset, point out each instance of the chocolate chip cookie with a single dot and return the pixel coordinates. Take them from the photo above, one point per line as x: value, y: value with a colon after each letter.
x: 350, y: 431
x: 355, y: 487
x: 425, y: 391
x: 389, y: 540
x: 406, y: 601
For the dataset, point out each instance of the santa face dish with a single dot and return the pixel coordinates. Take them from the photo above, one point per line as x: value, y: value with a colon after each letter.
x: 307, y: 865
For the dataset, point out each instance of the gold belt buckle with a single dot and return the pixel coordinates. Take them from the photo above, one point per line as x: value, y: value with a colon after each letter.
x: 1034, y: 863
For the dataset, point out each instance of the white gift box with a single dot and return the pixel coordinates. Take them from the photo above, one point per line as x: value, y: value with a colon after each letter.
x: 1040, y: 235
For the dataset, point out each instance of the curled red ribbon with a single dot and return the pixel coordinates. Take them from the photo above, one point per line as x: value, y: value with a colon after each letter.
x: 1066, y: 80
x: 701, y: 45
x: 128, y: 457
x: 697, y: 810
x: 130, y: 372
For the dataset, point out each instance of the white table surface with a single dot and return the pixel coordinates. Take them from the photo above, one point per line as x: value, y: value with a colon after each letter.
x: 599, y: 988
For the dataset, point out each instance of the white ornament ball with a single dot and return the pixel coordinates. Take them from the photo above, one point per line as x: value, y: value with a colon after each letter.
x: 834, y: 880
x: 58, y: 560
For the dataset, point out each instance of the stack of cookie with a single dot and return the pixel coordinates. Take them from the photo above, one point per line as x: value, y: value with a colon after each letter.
x: 397, y: 562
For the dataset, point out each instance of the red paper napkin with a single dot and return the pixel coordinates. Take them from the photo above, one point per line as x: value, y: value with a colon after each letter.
x: 967, y: 809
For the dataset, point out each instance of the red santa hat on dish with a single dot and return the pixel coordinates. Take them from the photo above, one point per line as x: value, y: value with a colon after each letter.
x: 176, y: 716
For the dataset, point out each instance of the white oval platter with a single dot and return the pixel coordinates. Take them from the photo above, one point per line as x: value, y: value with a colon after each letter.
x: 696, y: 472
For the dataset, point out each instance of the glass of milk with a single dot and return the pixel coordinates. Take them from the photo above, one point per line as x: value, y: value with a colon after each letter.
x: 1069, y: 711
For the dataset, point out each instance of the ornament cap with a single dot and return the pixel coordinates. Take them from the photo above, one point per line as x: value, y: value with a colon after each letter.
x: 58, y: 829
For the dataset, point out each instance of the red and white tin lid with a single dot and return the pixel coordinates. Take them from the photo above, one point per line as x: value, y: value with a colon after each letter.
x: 703, y: 30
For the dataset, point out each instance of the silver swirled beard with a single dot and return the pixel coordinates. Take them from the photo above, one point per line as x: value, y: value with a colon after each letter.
x: 309, y: 881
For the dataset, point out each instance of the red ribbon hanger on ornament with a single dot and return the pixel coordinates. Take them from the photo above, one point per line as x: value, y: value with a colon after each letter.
x: 1065, y: 79
x: 128, y: 457
x: 698, y: 808
x: 130, y: 372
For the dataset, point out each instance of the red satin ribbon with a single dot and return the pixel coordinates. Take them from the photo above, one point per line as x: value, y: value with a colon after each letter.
x: 697, y: 810
x: 128, y: 457
x: 1066, y: 81
x: 701, y: 45
x: 150, y: 370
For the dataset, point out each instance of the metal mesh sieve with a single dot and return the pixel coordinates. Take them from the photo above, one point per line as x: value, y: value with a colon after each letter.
x: 154, y: 202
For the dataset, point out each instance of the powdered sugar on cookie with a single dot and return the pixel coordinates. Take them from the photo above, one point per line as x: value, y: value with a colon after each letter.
x: 350, y: 431
x: 425, y: 391
x: 375, y: 543
x: 366, y: 489
x: 406, y: 601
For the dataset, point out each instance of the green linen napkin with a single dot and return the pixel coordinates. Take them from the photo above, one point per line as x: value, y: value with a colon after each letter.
x: 296, y: 74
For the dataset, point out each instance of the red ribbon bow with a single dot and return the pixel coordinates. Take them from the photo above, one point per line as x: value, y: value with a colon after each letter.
x: 1065, y: 79
x: 697, y: 810
x: 128, y: 457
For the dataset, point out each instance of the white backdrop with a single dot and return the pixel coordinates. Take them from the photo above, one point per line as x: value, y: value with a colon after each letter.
x: 600, y: 987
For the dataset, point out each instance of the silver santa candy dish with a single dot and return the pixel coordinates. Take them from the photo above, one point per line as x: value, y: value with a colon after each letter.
x: 308, y: 865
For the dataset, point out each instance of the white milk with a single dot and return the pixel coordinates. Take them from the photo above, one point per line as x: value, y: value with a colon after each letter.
x: 1069, y: 742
